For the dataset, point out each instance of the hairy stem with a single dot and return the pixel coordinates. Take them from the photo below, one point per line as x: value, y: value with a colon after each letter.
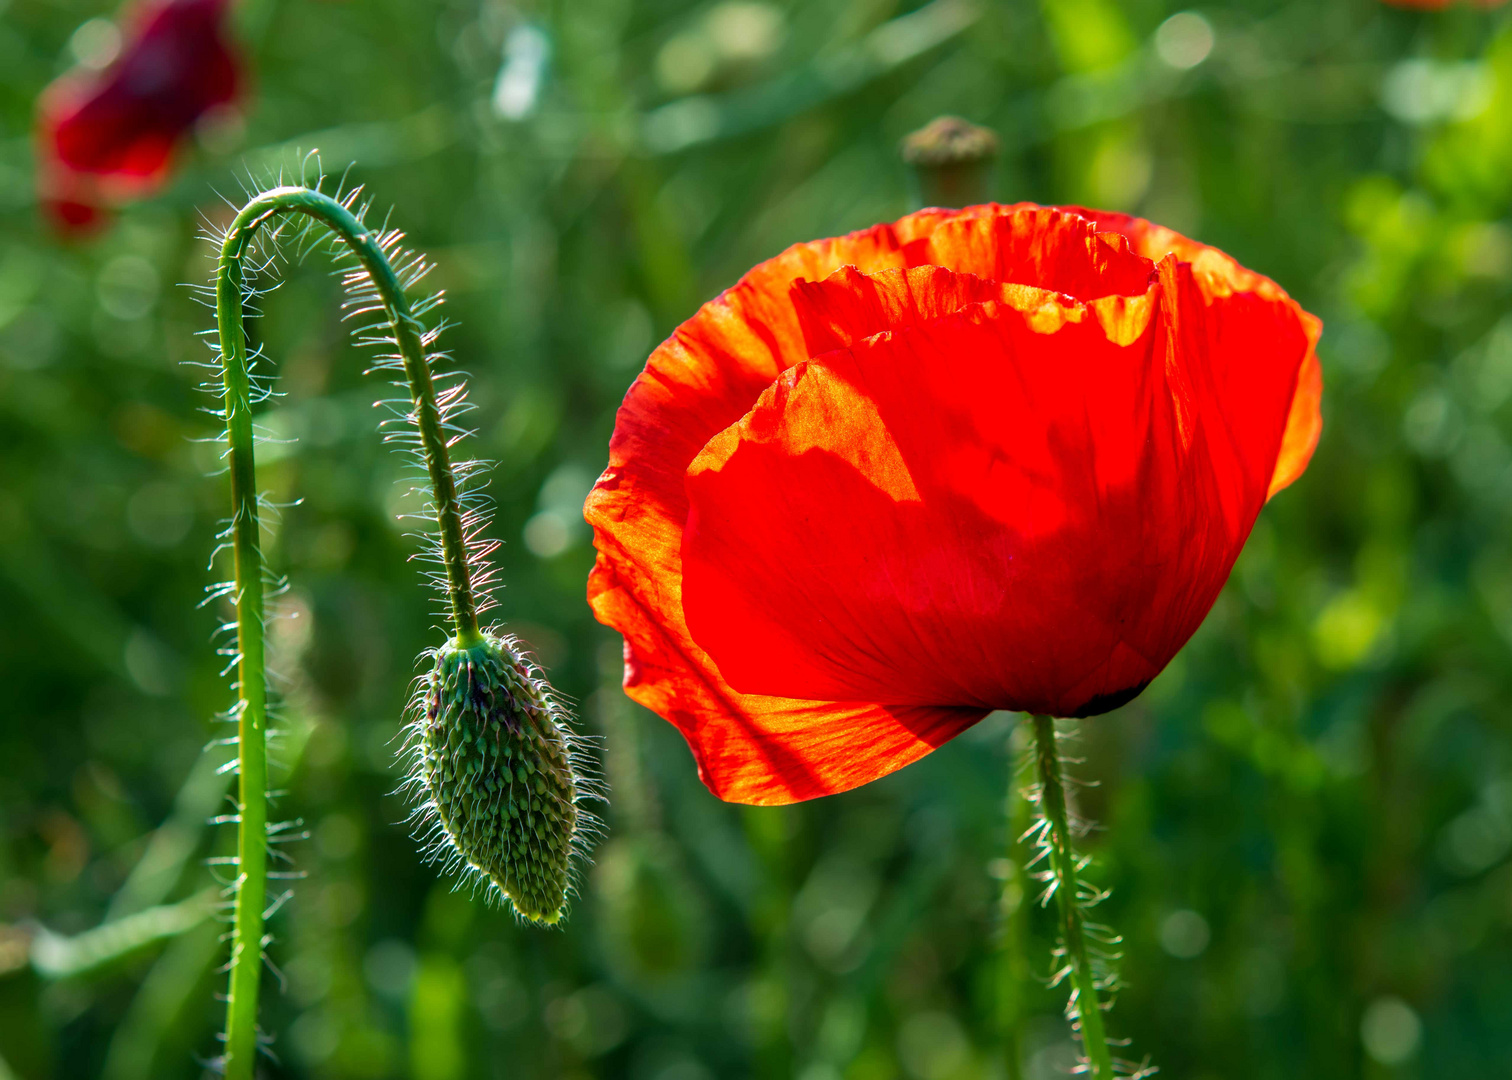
x: 252, y: 688
x: 1084, y: 1002
x: 251, y: 710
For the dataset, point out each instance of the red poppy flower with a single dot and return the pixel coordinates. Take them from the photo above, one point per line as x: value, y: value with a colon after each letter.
x: 995, y: 458
x: 111, y: 135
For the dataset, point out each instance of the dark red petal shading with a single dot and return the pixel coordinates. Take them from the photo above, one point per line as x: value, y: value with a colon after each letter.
x: 122, y: 125
x: 986, y: 509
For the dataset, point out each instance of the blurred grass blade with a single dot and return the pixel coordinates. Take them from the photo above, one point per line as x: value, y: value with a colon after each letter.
x: 55, y: 956
x: 174, y: 842
x: 160, y: 1003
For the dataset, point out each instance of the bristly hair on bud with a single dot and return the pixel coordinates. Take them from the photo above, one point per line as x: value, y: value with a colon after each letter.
x: 498, y: 773
x: 495, y: 738
x: 485, y: 713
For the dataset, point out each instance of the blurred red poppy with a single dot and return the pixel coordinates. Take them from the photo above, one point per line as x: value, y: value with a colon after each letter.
x: 996, y: 458
x: 110, y: 135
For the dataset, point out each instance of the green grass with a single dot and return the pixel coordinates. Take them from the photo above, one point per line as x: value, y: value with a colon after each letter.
x: 1324, y: 776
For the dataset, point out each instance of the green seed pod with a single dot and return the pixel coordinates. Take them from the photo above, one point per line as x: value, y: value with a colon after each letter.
x: 495, y: 757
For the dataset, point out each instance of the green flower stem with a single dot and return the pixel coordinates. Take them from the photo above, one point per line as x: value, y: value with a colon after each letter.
x: 252, y: 690
x: 1063, y: 865
x: 252, y: 711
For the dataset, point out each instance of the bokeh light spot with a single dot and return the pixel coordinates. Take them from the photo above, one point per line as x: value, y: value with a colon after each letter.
x: 1185, y: 934
x: 1390, y: 1030
x: 1184, y: 40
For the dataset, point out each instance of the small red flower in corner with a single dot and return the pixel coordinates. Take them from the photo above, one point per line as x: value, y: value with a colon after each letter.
x: 995, y: 458
x: 109, y: 136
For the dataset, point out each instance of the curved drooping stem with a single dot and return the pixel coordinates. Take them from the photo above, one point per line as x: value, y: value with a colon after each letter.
x: 251, y: 708
x: 1063, y: 877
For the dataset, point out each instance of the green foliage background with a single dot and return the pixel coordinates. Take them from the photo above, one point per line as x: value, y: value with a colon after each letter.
x: 1324, y: 776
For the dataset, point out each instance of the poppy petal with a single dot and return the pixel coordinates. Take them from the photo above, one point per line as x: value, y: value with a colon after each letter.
x: 849, y: 305
x: 697, y: 383
x: 1046, y: 247
x: 1304, y: 424
x: 1218, y: 275
x: 970, y: 511
x: 752, y: 748
x: 120, y: 127
x: 1018, y: 452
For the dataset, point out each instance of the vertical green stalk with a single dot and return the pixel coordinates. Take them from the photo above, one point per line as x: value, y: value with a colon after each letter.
x: 1063, y: 869
x: 251, y: 710
x: 252, y: 686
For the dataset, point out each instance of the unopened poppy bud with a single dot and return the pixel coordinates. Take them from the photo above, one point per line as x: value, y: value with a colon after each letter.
x: 495, y: 756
